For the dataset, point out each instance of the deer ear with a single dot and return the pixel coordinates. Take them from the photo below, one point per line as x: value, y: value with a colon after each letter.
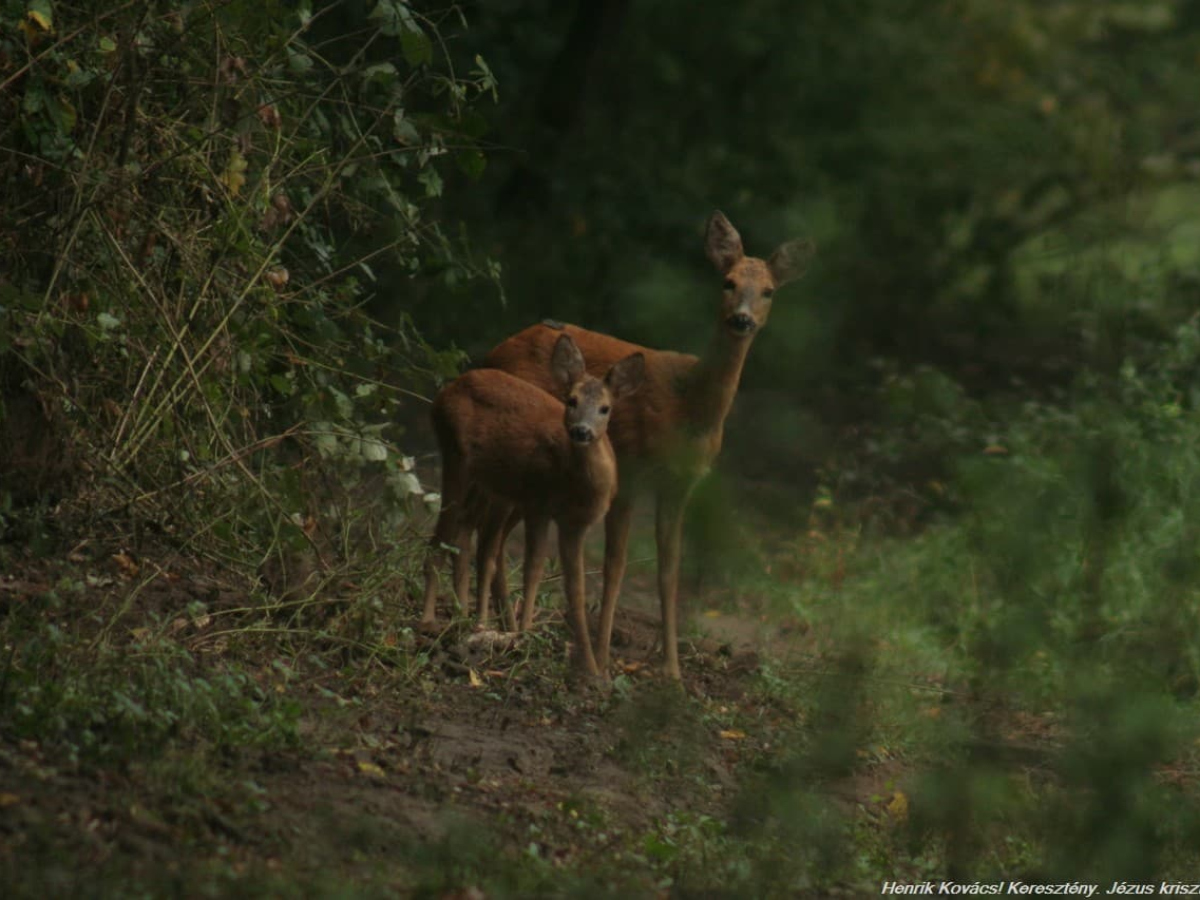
x: 722, y: 243
x: 566, y: 362
x: 626, y: 376
x: 790, y: 261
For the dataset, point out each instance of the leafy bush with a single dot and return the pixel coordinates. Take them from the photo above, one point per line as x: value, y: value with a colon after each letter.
x: 199, y: 203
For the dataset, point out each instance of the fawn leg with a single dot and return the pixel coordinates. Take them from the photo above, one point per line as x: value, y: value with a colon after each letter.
x: 570, y: 548
x: 616, y: 547
x: 537, y: 538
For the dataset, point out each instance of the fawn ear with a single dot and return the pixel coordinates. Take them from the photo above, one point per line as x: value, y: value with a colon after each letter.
x: 626, y: 376
x: 567, y: 362
x: 722, y: 243
x: 790, y: 261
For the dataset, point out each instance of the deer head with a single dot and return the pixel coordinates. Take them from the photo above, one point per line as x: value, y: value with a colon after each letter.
x: 750, y: 283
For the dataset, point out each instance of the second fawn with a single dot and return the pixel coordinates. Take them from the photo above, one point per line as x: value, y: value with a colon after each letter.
x: 535, y: 456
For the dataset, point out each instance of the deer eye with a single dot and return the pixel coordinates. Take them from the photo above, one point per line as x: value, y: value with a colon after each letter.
x: 769, y: 293
x: 604, y: 410
x: 572, y: 402
x: 729, y: 285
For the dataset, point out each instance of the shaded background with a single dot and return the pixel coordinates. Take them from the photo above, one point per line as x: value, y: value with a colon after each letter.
x: 988, y: 185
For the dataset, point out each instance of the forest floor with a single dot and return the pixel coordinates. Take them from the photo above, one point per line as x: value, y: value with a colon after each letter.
x: 472, y: 768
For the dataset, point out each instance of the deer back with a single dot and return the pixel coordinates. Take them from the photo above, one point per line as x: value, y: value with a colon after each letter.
x: 639, y: 426
x: 510, y: 437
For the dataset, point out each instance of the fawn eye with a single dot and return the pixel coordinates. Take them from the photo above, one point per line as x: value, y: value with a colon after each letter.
x: 769, y: 293
x: 572, y: 402
x: 729, y: 285
x: 604, y: 410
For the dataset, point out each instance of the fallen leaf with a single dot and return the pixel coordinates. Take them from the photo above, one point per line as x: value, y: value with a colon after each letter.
x: 712, y: 613
x: 475, y: 680
x: 125, y: 563
x: 732, y: 734
x: 277, y: 278
x: 9, y: 800
x: 369, y: 768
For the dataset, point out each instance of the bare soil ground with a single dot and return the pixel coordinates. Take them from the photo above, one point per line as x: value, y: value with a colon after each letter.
x: 479, y: 755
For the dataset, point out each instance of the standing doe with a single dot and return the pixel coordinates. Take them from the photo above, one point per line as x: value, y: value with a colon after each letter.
x: 529, y: 453
x: 666, y: 442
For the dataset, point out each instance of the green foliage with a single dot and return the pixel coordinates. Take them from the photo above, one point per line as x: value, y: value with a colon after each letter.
x: 93, y: 702
x: 198, y: 205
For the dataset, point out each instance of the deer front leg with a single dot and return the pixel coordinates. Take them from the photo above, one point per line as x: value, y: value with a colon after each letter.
x: 672, y: 501
x: 570, y: 548
x: 537, y: 538
x: 616, y: 547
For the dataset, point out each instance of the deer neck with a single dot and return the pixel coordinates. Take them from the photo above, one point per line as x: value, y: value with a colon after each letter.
x: 714, y: 382
x: 593, y: 465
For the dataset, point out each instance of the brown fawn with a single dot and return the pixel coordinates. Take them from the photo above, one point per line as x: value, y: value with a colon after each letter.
x: 533, y: 455
x: 666, y: 442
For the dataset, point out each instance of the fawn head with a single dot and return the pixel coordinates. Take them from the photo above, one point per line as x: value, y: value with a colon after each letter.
x: 750, y: 282
x: 589, y: 399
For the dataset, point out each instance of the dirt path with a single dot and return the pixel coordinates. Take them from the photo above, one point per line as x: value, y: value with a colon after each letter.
x: 477, y: 769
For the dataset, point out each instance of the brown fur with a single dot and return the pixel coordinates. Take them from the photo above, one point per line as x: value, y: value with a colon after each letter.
x: 513, y: 440
x: 668, y: 439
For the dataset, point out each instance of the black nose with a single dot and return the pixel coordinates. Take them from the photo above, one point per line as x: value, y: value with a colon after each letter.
x: 741, y: 323
x: 580, y: 434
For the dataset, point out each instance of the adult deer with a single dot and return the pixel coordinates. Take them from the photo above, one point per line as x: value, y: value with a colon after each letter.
x: 529, y: 451
x: 666, y: 442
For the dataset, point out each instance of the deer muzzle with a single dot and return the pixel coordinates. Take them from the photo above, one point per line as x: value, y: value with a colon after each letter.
x: 581, y: 434
x: 741, y: 323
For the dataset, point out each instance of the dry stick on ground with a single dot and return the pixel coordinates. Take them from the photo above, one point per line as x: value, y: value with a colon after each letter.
x: 667, y: 440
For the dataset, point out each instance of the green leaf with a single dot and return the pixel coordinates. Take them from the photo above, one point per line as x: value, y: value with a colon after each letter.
x: 403, y: 129
x: 40, y: 13
x: 385, y: 72
x: 374, y: 451
x: 471, y: 162
x: 299, y: 62
x: 108, y: 322
x: 432, y: 181
x: 394, y: 17
x: 62, y: 112
x: 487, y: 81
x: 325, y: 440
x: 416, y: 46
x: 107, y: 45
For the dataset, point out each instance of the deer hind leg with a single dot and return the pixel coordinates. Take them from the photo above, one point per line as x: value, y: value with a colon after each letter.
x: 537, y: 539
x: 500, y: 577
x: 570, y: 548
x: 448, y: 532
x: 672, y: 501
x: 491, y: 540
x: 616, y: 547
